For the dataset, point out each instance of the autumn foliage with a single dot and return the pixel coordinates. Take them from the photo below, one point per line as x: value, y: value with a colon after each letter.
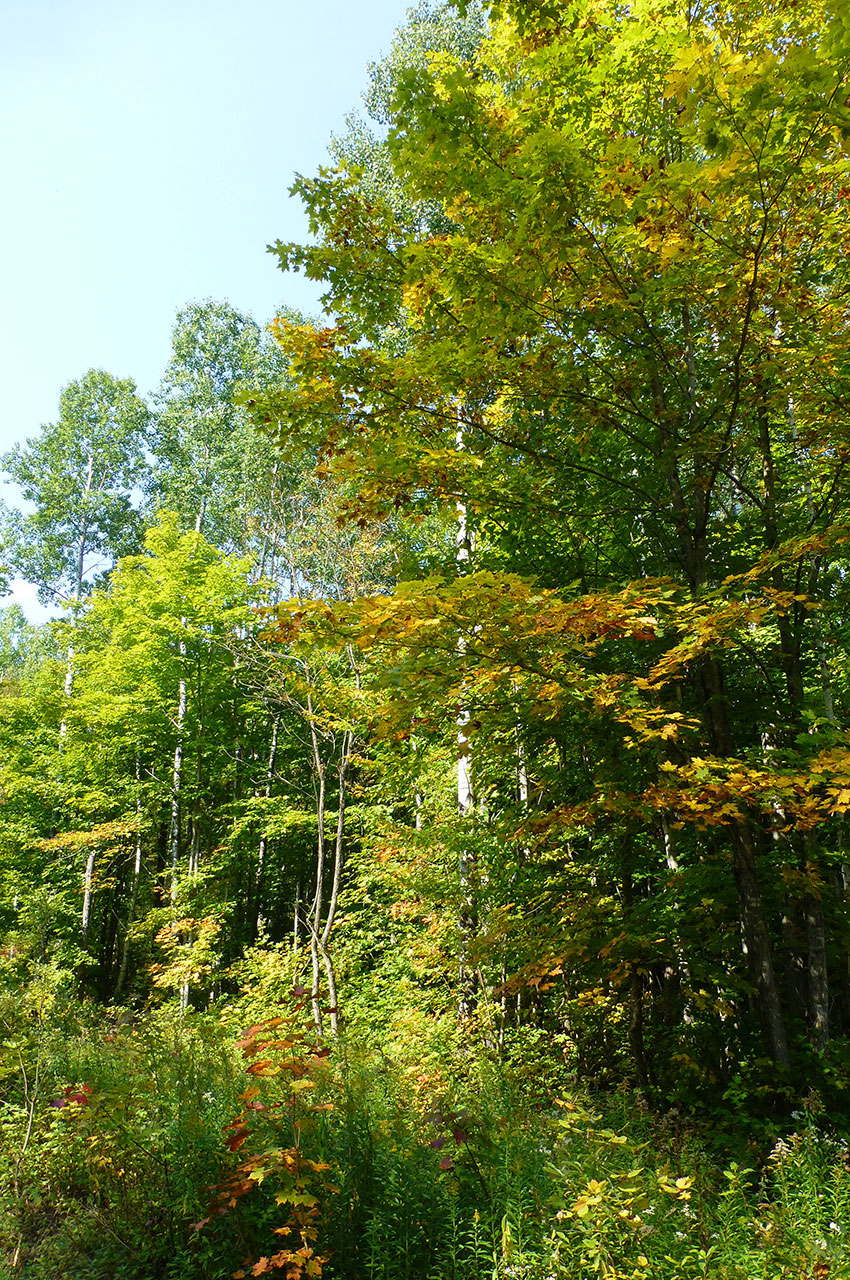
x: 475, y: 666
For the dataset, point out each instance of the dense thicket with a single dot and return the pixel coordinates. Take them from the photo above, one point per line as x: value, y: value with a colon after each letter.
x: 456, y: 693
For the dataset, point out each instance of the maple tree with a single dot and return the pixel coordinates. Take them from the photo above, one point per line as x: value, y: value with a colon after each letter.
x: 636, y: 309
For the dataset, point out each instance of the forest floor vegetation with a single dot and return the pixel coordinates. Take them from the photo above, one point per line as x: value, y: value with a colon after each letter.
x: 140, y: 1146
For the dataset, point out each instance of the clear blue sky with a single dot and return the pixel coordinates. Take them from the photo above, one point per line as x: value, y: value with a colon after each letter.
x: 148, y: 146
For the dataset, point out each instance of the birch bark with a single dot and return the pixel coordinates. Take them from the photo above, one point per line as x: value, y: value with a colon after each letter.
x: 467, y: 861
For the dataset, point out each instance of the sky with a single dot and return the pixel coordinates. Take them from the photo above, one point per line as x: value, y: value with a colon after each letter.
x: 148, y: 147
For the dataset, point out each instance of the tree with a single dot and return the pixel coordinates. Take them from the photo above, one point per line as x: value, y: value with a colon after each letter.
x: 157, y: 685
x: 83, y: 475
x: 18, y: 637
x: 430, y: 29
x: 212, y: 468
x: 640, y: 308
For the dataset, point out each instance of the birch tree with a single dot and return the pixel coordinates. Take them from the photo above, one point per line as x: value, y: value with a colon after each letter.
x: 84, y: 476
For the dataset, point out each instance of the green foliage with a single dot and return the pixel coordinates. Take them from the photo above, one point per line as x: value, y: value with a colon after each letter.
x: 80, y: 475
x: 603, y: 371
x: 219, y: 475
x: 111, y: 1132
x: 494, y: 697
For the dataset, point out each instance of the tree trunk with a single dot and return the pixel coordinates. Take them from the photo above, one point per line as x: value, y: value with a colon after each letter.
x: 636, y: 1043
x: 315, y: 915
x: 757, y: 946
x: 256, y: 922
x: 467, y: 921
x: 347, y: 743
x: 755, y: 935
x: 88, y: 889
x: 134, y: 894
x: 816, y: 938
x: 818, y: 984
x: 177, y: 782
x: 467, y: 917
x: 109, y: 938
x: 131, y: 916
x: 635, y: 981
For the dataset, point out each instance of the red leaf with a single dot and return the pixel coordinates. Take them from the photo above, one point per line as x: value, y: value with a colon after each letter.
x: 235, y: 1141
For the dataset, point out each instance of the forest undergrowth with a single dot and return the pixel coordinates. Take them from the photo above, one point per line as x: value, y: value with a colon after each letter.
x: 171, y: 1144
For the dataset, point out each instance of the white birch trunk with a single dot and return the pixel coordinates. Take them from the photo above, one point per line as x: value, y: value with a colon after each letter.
x: 315, y: 914
x: 88, y: 889
x: 177, y: 782
x: 134, y: 894
x: 347, y: 744
x: 176, y: 790
x: 263, y: 846
x: 76, y: 595
x: 465, y: 800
